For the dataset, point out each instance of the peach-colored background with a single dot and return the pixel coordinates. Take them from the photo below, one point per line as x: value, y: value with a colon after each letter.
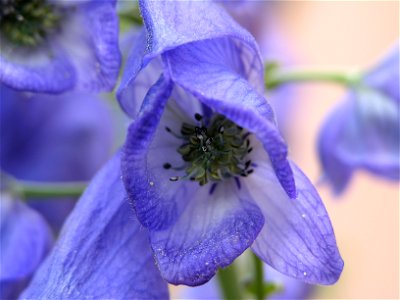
x: 347, y: 35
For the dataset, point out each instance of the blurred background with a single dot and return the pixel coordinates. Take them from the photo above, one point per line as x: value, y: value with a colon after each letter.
x: 345, y: 35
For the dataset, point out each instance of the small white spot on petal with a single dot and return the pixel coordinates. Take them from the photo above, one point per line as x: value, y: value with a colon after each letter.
x: 305, y: 273
x: 303, y: 215
x: 151, y: 183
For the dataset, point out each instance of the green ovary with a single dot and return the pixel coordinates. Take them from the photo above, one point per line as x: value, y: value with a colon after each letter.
x: 214, y: 153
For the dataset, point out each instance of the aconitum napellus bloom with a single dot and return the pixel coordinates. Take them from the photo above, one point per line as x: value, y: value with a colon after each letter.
x: 204, y: 164
x: 200, y: 78
x: 44, y: 138
x: 363, y: 131
x: 289, y: 288
x: 55, y: 46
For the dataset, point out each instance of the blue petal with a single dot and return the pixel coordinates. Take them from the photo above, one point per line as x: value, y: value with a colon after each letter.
x: 297, y: 238
x: 221, y: 84
x: 25, y: 240
x: 45, y: 70
x: 135, y: 82
x: 83, y: 55
x: 57, y: 138
x: 172, y: 24
x: 153, y: 209
x: 336, y: 171
x: 91, y: 39
x: 214, y: 229
x: 362, y: 132
x: 386, y: 76
x: 102, y: 252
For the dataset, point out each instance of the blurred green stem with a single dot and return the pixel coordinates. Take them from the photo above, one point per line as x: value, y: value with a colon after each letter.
x: 229, y: 283
x: 28, y: 189
x: 258, y: 278
x: 274, y: 77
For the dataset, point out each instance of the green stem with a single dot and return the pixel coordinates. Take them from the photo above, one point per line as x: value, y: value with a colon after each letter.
x: 27, y: 189
x: 258, y: 278
x: 229, y: 283
x: 278, y: 78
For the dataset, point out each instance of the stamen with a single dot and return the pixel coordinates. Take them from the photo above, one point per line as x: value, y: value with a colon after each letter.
x: 173, y: 133
x: 212, y: 189
x: 167, y: 166
x: 213, y: 153
x: 198, y: 117
x: 237, y: 181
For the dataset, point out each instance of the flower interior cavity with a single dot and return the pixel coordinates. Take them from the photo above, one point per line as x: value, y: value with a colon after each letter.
x: 212, y: 153
x: 27, y: 23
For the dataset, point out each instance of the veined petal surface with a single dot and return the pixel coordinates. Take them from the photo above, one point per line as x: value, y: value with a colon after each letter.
x: 297, y: 238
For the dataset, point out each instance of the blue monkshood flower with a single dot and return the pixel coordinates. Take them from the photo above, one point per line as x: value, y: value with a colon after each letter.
x: 200, y: 71
x: 25, y: 239
x: 46, y: 138
x: 55, y: 46
x: 289, y: 288
x: 204, y: 164
x: 363, y: 131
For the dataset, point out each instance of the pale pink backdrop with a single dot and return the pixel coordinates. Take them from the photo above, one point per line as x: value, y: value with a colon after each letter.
x: 347, y: 35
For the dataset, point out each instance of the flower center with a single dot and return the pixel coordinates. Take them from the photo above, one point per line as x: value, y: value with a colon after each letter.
x: 213, y: 153
x: 27, y: 22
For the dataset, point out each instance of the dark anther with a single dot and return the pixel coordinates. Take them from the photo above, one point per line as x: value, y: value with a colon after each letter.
x: 198, y: 117
x: 247, y: 164
x: 167, y: 166
x: 250, y: 149
x: 174, y: 178
x: 237, y: 181
x: 167, y: 129
x: 212, y: 189
x: 250, y: 171
x: 192, y: 178
x: 247, y: 143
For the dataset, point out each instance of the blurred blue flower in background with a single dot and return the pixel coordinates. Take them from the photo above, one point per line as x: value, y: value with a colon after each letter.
x: 55, y: 46
x: 45, y: 138
x: 363, y: 131
x: 25, y: 239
